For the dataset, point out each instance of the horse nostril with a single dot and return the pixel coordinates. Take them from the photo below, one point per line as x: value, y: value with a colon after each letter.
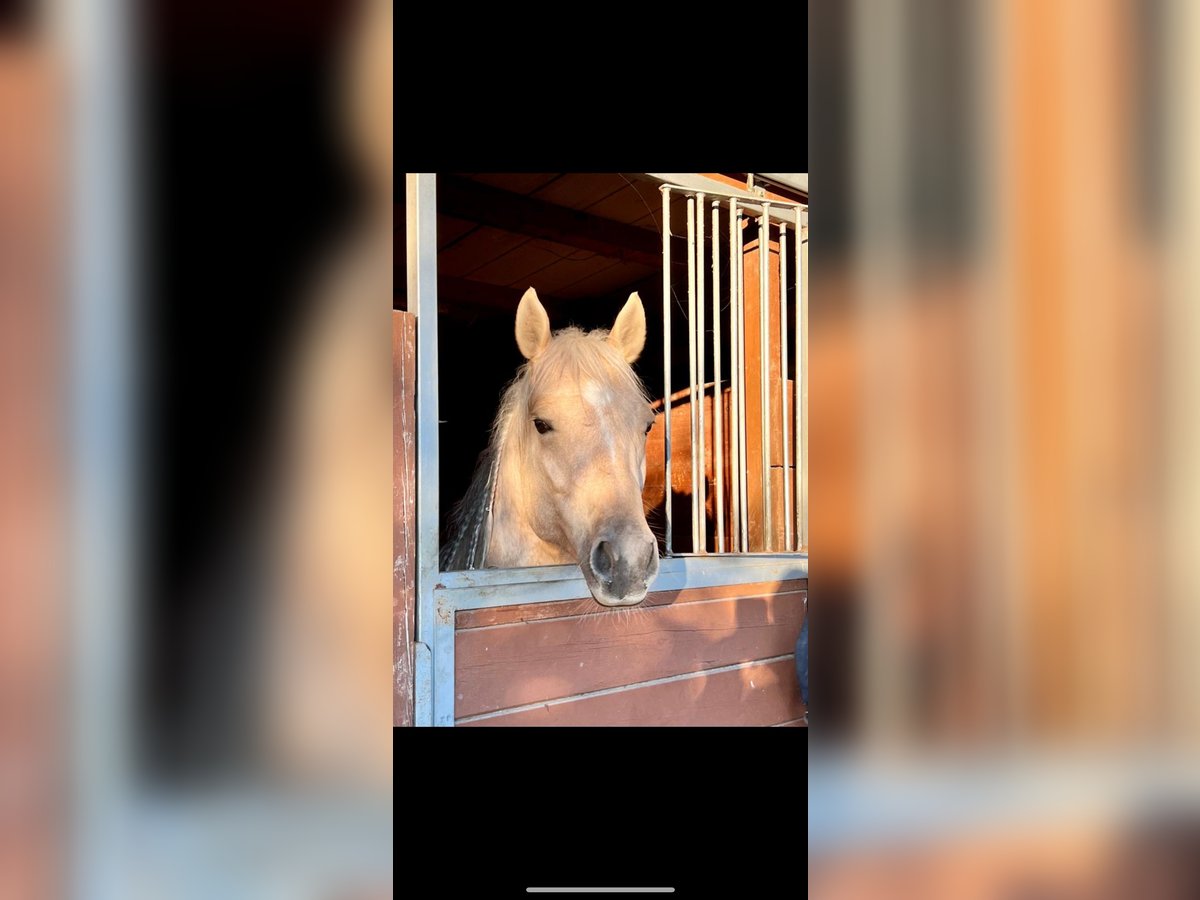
x: 603, y: 560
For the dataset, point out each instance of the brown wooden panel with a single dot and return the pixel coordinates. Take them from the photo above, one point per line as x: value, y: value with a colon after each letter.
x: 762, y: 694
x: 511, y: 665
x: 404, y: 549
x: 529, y: 612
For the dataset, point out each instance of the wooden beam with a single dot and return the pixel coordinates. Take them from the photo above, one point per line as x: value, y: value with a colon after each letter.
x: 462, y: 298
x: 474, y: 202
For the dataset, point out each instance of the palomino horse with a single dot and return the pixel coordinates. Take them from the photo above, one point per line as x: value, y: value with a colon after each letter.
x: 561, y: 480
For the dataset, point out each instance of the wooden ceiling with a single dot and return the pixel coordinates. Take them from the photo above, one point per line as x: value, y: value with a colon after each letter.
x: 572, y: 236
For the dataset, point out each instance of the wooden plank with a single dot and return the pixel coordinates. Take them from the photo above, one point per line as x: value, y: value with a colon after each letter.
x: 465, y: 299
x: 525, y: 260
x: 761, y: 694
x: 754, y: 349
x: 528, y: 662
x: 404, y: 492
x: 568, y: 270
x: 609, y: 280
x: 477, y: 249
x: 580, y: 190
x: 631, y: 204
x: 531, y: 612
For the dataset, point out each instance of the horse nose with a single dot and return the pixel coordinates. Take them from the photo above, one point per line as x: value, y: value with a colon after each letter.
x: 625, y: 564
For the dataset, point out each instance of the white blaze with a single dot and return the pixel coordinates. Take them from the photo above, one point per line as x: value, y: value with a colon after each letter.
x: 599, y: 397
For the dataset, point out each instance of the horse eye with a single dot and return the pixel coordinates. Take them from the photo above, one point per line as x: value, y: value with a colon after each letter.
x: 542, y: 426
x: 648, y: 427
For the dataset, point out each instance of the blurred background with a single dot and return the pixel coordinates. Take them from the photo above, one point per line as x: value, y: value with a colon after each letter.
x: 195, y: 248
x: 1005, y: 615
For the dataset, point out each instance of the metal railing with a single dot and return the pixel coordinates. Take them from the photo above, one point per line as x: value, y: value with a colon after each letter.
x: 761, y: 227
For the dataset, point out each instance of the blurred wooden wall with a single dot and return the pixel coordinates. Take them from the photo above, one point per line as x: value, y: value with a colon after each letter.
x: 33, y: 662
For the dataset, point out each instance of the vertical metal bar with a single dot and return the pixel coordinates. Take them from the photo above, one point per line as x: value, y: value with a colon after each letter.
x: 666, y: 301
x: 783, y: 391
x: 735, y: 457
x: 799, y: 389
x: 802, y: 375
x: 718, y: 394
x: 764, y: 368
x: 691, y: 233
x: 98, y: 627
x: 421, y: 212
x: 443, y: 662
x: 744, y: 472
x: 698, y: 448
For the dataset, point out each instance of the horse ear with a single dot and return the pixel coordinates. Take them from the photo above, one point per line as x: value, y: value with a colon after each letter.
x: 533, y: 325
x: 629, y: 331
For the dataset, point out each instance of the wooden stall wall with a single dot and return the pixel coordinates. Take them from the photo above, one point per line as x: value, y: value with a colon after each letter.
x: 700, y: 656
x: 404, y: 498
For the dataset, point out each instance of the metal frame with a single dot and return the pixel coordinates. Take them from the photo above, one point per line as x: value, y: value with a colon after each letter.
x: 441, y: 595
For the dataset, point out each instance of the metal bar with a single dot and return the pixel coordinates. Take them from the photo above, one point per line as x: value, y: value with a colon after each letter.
x: 718, y: 394
x: 97, y: 609
x: 691, y: 239
x: 701, y: 486
x: 443, y: 663
x: 666, y: 301
x: 801, y: 384
x: 735, y: 458
x: 744, y: 472
x: 764, y: 387
x: 486, y: 588
x: 749, y: 201
x: 802, y: 375
x: 783, y: 391
x: 421, y: 213
x: 568, y: 577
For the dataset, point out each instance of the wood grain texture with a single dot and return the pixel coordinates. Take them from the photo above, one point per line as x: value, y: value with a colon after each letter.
x: 757, y: 695
x: 404, y: 492
x: 512, y: 665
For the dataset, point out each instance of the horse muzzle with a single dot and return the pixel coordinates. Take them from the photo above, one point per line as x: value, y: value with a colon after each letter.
x: 620, y: 567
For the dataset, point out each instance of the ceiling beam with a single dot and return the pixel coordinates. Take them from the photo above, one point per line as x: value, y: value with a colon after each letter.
x: 516, y: 213
x: 475, y: 297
